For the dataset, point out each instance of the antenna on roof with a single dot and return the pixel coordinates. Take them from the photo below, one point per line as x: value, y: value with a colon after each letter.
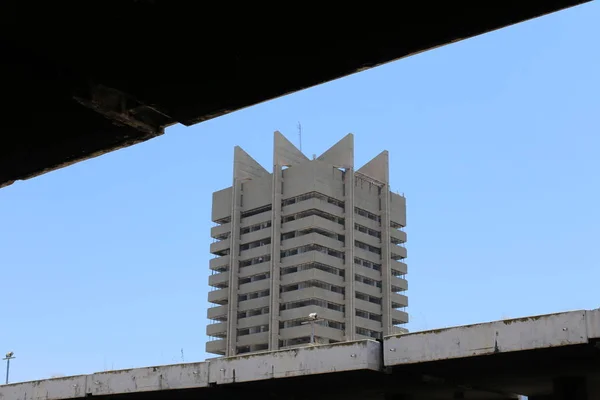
x: 300, y: 135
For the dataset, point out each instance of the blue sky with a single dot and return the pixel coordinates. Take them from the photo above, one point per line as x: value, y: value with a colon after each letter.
x: 493, y: 140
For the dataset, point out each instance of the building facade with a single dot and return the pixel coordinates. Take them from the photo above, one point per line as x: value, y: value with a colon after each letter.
x: 313, y: 236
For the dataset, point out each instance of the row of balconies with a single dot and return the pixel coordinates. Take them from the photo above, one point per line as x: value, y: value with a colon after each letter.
x: 219, y: 329
x: 221, y: 280
x: 221, y: 231
x: 220, y: 312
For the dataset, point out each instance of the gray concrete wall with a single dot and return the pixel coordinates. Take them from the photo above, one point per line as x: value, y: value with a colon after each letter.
x: 323, y: 245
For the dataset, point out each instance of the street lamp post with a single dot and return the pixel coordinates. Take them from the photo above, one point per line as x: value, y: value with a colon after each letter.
x: 312, y: 318
x: 9, y: 356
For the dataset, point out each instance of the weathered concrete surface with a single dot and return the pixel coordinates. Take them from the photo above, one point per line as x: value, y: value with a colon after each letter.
x: 519, y: 334
x: 535, y: 356
x: 340, y: 357
x: 524, y: 355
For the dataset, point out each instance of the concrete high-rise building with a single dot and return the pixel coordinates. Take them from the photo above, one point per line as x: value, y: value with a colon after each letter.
x: 313, y: 236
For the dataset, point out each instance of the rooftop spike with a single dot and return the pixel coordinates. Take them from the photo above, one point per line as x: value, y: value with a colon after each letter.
x: 245, y: 167
x: 341, y: 154
x: 378, y: 168
x: 285, y: 153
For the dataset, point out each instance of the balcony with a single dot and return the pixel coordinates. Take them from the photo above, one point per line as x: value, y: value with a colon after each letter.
x: 367, y: 289
x: 219, y: 246
x: 303, y: 312
x: 313, y: 203
x: 220, y: 280
x: 368, y: 272
x: 217, y: 232
x: 256, y: 219
x: 219, y: 262
x: 312, y: 256
x: 398, y: 253
x: 399, y: 236
x: 369, y: 223
x: 248, y: 322
x: 255, y: 269
x: 218, y: 296
x: 217, y: 330
x: 305, y: 330
x: 312, y: 238
x: 399, y: 299
x: 368, y: 324
x: 367, y: 306
x: 255, y: 236
x: 313, y: 221
x: 399, y: 283
x: 312, y: 274
x: 255, y: 252
x: 218, y: 313
x: 366, y: 238
x: 312, y: 293
x: 399, y: 317
x: 253, y: 339
x: 367, y: 255
x: 399, y: 266
x: 216, y: 347
x: 255, y: 286
x: 254, y: 303
x: 397, y: 330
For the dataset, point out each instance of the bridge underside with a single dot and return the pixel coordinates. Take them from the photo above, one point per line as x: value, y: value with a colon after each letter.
x: 88, y: 78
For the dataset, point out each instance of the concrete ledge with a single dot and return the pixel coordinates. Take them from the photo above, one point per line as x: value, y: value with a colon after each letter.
x: 339, y: 357
x: 563, y: 331
x: 539, y: 332
x: 50, y: 389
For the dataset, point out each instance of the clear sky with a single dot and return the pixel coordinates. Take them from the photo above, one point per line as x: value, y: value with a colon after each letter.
x: 493, y: 140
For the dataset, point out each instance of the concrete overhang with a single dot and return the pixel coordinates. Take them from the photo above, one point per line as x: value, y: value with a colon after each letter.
x: 495, y: 360
x: 88, y: 78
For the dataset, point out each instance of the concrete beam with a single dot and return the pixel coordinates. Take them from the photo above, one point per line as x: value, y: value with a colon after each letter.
x: 313, y: 360
x: 531, y: 333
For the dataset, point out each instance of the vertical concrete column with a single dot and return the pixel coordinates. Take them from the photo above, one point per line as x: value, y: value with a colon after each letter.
x: 234, y: 252
x: 275, y: 256
x: 386, y: 256
x: 350, y: 296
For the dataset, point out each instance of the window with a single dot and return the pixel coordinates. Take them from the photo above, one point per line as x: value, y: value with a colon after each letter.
x: 312, y: 302
x: 252, y: 313
x: 254, y: 278
x: 367, y: 214
x: 369, y: 298
x: 367, y: 264
x: 311, y: 212
x: 255, y: 260
x: 312, y: 265
x: 368, y: 231
x: 253, y: 295
x: 368, y: 315
x: 312, y: 195
x: 312, y: 283
x: 256, y: 211
x: 256, y: 243
x: 313, y: 247
x: 367, y: 247
x: 303, y: 321
x: 252, y: 330
x: 255, y: 227
x: 329, y: 234
x: 367, y: 281
x: 368, y: 332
